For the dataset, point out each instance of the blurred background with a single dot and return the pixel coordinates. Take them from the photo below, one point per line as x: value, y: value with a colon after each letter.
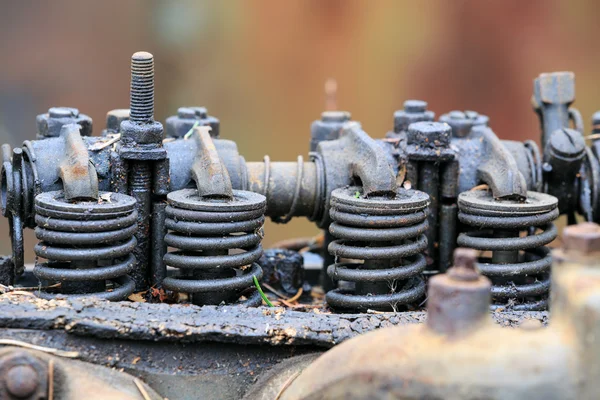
x: 260, y: 66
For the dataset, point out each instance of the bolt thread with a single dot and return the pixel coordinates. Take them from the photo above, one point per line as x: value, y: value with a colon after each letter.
x: 142, y: 88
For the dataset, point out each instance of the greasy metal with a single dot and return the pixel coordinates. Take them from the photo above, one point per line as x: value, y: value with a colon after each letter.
x: 389, y: 235
x: 557, y: 362
x: 50, y: 124
x: 35, y: 375
x: 283, y: 270
x: 286, y: 184
x: 203, y: 230
x: 158, y: 268
x: 86, y: 243
x: 208, y: 170
x: 77, y: 173
x: 414, y: 111
x: 113, y: 121
x: 462, y: 122
x: 355, y: 158
x: 328, y: 127
x: 553, y: 94
x: 177, y: 126
x: 519, y: 266
x: 428, y: 147
x: 564, y: 155
x: 141, y: 146
x: 499, y: 170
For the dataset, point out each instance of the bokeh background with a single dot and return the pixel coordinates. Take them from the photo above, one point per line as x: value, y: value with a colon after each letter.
x: 260, y: 66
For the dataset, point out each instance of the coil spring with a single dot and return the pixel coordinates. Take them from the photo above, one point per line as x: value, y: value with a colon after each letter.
x: 388, y: 235
x: 519, y: 266
x: 86, y: 244
x: 202, y: 231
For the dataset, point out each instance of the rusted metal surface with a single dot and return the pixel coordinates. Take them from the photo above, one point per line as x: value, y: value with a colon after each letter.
x: 422, y: 361
x: 35, y: 375
x: 78, y: 175
x: 208, y: 171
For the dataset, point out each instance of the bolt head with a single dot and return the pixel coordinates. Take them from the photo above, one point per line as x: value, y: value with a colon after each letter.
x: 142, y: 56
x: 21, y: 381
x: 415, y: 106
x: 596, y: 118
x: 457, y: 114
x: 555, y: 87
x: 583, y: 238
x: 335, y: 116
x: 115, y: 117
x: 464, y: 268
x: 186, y: 112
x: 63, y: 112
x: 430, y: 134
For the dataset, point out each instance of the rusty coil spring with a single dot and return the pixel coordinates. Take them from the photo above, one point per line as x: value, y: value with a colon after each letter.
x: 519, y: 266
x: 203, y: 231
x: 388, y: 235
x: 86, y: 243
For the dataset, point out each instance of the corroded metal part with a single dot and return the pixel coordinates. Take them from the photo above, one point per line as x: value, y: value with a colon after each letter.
x: 203, y: 230
x: 50, y: 124
x: 33, y: 375
x: 86, y: 244
x: 432, y: 361
x: 519, y: 266
x: 77, y: 173
x: 388, y: 234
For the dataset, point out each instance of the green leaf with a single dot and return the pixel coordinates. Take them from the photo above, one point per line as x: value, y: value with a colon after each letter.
x: 262, y: 294
x: 357, y: 195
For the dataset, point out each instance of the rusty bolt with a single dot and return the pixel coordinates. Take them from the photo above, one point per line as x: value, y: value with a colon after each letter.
x: 583, y: 238
x: 21, y: 381
x: 142, y: 87
x: 464, y: 265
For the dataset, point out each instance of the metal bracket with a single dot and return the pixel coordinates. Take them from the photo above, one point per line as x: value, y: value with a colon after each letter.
x: 500, y: 170
x: 208, y: 170
x: 76, y: 171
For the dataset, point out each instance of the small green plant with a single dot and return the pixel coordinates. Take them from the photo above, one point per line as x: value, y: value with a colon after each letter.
x: 357, y: 195
x: 262, y: 294
x: 189, y: 133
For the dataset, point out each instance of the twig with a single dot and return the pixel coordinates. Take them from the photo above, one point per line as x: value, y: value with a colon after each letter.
x: 51, y: 379
x: 274, y: 291
x: 141, y: 388
x: 49, y: 350
x: 296, y: 296
x: 104, y: 145
x: 481, y: 187
x: 19, y: 292
x: 287, y: 384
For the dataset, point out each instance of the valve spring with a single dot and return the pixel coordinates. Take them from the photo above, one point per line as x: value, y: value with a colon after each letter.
x: 388, y: 235
x: 203, y: 231
x: 519, y: 265
x: 86, y: 244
